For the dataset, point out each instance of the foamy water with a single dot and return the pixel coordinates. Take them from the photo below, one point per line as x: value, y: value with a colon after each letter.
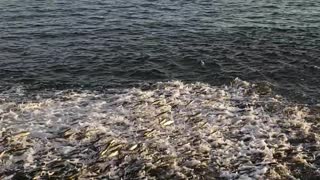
x: 168, y: 130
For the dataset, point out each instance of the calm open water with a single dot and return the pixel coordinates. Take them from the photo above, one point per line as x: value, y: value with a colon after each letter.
x: 119, y: 43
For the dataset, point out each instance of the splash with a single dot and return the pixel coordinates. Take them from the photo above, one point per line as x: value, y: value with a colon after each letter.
x: 168, y: 130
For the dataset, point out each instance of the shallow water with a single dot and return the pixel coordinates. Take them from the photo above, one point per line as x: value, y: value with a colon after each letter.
x: 70, y: 44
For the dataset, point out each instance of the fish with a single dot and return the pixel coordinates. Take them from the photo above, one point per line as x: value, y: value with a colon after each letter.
x: 113, y: 153
x: 108, y: 146
x: 149, y: 132
x: 167, y: 123
x: 139, y: 135
x: 133, y: 147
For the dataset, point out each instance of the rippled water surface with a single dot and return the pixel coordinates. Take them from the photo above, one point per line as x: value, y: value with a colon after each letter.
x: 118, y: 43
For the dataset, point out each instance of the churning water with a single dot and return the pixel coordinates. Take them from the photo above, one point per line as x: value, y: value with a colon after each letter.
x: 68, y: 109
x: 113, y: 43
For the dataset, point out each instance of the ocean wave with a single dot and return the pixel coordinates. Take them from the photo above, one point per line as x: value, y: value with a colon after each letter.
x: 168, y: 130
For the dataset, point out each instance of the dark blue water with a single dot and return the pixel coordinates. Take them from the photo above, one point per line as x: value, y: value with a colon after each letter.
x: 119, y: 43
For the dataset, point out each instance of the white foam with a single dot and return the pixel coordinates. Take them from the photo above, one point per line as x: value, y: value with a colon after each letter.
x: 172, y: 130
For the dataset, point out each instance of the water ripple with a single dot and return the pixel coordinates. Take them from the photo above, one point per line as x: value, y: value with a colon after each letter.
x: 110, y: 43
